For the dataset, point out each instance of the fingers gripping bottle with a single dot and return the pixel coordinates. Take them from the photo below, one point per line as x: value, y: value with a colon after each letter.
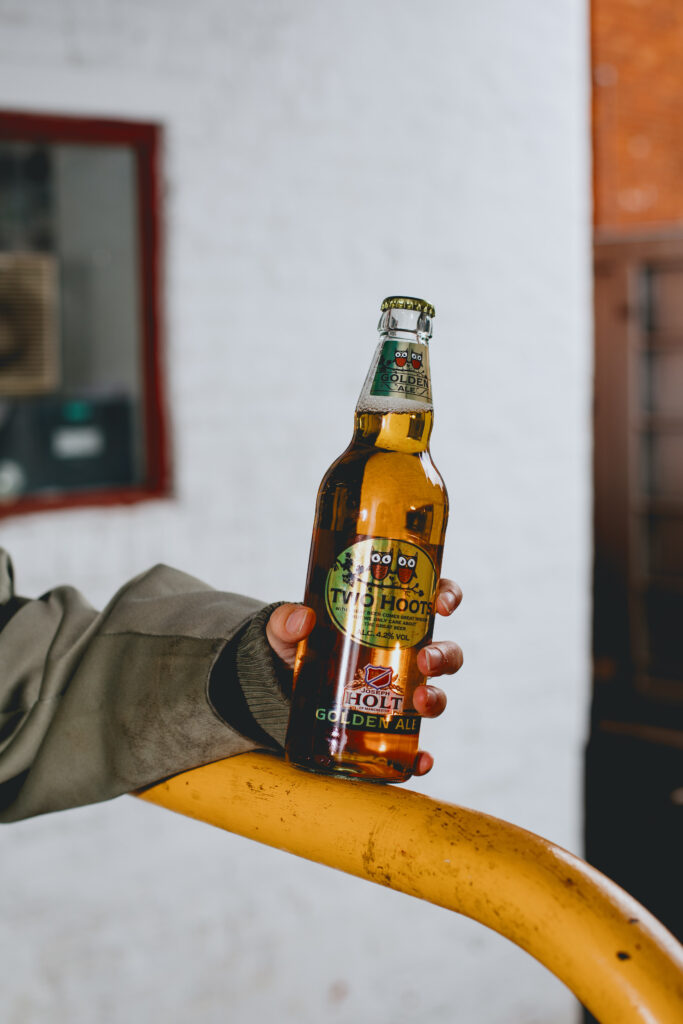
x: 373, y: 571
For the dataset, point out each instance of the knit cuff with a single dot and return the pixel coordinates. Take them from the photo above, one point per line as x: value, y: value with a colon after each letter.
x: 250, y: 686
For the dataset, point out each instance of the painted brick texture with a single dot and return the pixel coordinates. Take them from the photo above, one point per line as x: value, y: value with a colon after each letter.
x: 317, y: 157
x: 638, y: 112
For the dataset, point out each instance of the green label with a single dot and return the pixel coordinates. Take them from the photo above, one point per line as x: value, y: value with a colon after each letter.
x: 405, y: 725
x: 403, y: 371
x: 380, y: 592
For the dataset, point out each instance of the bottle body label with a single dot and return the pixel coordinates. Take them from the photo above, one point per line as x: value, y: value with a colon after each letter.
x: 402, y: 371
x: 380, y: 592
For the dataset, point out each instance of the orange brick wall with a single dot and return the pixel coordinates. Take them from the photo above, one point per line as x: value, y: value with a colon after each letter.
x: 637, y: 112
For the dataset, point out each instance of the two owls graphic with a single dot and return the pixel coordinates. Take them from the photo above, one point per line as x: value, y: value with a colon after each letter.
x: 380, y: 564
x: 401, y: 358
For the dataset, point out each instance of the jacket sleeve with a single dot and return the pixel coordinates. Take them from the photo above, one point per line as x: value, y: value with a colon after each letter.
x: 172, y: 674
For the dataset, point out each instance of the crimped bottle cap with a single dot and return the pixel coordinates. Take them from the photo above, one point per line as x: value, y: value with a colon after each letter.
x: 408, y: 302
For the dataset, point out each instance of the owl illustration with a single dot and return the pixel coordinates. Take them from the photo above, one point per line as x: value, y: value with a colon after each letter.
x: 405, y: 567
x: 416, y: 360
x: 380, y: 563
x: 401, y: 357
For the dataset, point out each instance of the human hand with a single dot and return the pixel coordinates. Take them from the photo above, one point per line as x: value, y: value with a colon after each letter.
x: 291, y: 623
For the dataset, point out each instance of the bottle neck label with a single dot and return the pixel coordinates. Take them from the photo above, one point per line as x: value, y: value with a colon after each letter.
x: 402, y: 372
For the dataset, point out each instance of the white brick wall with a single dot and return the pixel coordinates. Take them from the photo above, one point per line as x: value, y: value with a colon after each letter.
x: 317, y: 157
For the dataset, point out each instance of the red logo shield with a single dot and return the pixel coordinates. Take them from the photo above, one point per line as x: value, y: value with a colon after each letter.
x: 378, y: 677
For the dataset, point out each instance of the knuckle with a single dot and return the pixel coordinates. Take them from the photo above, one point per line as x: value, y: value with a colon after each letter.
x: 452, y: 657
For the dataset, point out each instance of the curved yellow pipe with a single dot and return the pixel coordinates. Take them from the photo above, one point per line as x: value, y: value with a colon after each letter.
x: 612, y: 953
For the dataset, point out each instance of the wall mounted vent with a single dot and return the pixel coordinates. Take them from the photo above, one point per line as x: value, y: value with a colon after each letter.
x: 29, y: 335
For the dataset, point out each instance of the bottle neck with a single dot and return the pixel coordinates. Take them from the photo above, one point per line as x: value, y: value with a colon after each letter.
x: 394, y: 431
x: 394, y: 410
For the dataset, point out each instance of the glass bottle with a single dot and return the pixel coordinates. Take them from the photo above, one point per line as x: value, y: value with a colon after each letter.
x: 373, y: 571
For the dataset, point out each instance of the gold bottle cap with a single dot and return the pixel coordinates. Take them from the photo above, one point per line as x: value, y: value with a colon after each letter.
x: 406, y: 302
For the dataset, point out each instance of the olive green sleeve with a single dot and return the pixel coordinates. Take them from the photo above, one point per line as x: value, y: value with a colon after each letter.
x: 170, y: 675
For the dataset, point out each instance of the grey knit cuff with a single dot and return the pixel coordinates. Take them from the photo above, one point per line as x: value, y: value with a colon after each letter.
x: 264, y: 680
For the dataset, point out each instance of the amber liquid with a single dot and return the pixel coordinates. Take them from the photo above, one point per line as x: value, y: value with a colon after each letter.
x: 384, y: 485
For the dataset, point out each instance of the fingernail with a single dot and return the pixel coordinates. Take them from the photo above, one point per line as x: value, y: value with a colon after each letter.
x: 430, y: 699
x: 434, y: 658
x: 448, y: 599
x: 297, y: 621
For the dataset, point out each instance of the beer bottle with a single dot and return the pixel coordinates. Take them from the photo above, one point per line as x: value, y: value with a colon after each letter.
x: 373, y: 571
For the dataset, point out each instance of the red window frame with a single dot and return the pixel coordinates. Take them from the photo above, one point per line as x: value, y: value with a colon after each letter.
x: 144, y: 140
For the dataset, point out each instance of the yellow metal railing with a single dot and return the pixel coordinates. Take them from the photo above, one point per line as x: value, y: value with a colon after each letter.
x: 611, y: 952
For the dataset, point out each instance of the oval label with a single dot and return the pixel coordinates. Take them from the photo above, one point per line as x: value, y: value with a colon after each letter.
x: 380, y: 592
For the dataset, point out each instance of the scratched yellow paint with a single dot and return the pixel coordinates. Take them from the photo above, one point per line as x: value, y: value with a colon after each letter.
x: 614, y: 955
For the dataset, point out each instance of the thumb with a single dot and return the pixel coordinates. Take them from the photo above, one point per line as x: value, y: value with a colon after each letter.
x: 289, y: 624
